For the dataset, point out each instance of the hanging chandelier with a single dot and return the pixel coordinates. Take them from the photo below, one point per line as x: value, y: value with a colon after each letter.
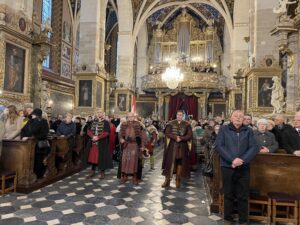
x: 172, y: 77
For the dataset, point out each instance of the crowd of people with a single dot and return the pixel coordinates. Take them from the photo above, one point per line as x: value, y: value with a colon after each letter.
x: 131, y: 140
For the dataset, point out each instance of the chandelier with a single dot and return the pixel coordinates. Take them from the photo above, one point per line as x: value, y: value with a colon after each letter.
x: 172, y: 77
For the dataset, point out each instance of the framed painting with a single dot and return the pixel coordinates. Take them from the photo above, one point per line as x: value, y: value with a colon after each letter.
x: 62, y: 103
x: 85, y: 93
x: 14, y: 68
x: 238, y: 101
x: 264, y: 93
x: 121, y: 102
x: 99, y: 94
x: 145, y: 109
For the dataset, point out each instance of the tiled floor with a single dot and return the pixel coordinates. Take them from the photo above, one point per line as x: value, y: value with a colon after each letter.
x: 76, y: 200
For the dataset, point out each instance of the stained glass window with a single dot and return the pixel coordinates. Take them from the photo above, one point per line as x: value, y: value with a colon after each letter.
x: 46, y: 15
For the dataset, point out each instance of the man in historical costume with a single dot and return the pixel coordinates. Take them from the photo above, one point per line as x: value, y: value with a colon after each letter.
x: 152, y: 135
x: 98, y: 144
x: 130, y: 139
x: 176, y: 155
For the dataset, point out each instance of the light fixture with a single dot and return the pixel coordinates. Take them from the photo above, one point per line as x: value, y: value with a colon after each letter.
x: 172, y: 77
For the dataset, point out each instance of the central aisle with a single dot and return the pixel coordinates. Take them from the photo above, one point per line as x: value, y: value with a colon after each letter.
x: 76, y: 200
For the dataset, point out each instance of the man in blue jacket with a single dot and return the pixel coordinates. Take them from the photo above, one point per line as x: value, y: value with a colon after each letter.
x: 237, y: 147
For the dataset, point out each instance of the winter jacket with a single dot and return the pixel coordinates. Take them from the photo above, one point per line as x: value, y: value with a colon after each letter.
x: 234, y: 143
x: 266, y: 139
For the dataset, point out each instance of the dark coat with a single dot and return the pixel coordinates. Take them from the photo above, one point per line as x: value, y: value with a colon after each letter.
x: 266, y: 139
x: 232, y: 143
x: 68, y: 130
x: 290, y: 139
x: 37, y: 128
x: 170, y: 150
x: 277, y: 131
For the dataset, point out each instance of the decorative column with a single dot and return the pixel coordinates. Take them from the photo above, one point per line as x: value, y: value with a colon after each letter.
x: 287, y: 41
x: 292, y: 73
x: 160, y: 106
x: 41, y: 49
x: 167, y: 101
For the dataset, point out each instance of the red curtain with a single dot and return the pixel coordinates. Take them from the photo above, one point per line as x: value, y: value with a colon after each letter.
x: 183, y: 102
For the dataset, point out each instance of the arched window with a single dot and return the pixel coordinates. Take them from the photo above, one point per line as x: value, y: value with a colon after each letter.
x: 46, y: 15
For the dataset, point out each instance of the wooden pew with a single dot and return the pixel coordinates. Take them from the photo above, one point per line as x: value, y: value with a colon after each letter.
x: 268, y: 173
x: 18, y: 156
x: 64, y: 152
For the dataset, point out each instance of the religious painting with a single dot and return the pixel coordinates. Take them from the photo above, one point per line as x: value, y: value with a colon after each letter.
x: 219, y: 109
x: 22, y: 24
x: 66, y: 51
x: 145, y: 109
x: 121, y: 102
x: 14, y: 68
x: 85, y: 93
x: 67, y: 32
x: 62, y: 103
x: 99, y: 94
x: 264, y: 93
x: 66, y: 70
x: 238, y: 101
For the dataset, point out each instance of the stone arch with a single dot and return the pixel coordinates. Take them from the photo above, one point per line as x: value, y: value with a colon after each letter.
x: 188, y: 6
x: 152, y: 9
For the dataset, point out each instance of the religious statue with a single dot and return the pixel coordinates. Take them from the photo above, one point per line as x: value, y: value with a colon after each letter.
x: 277, y: 99
x: 282, y: 7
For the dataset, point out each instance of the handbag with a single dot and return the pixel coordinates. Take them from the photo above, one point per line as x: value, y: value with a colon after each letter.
x: 43, y: 144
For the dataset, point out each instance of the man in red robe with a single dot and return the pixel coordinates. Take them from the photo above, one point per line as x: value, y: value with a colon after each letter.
x: 98, y: 144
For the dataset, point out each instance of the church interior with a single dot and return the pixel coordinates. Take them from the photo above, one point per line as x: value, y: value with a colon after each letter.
x: 83, y: 62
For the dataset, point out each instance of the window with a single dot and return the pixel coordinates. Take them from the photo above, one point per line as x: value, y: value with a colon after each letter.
x: 46, y: 15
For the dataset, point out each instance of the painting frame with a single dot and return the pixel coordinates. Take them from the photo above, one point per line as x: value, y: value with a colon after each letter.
x: 122, y: 102
x: 99, y: 94
x: 64, y: 102
x: 264, y: 93
x: 85, y: 93
x: 15, y: 67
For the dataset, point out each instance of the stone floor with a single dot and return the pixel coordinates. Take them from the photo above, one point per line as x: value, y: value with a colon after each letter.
x: 76, y: 200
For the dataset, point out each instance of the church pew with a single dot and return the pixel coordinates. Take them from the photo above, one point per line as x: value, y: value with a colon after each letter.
x: 18, y: 155
x: 64, y: 153
x: 268, y: 173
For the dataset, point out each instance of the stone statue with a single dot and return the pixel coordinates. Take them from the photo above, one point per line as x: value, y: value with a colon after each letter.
x: 277, y: 99
x: 281, y: 8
